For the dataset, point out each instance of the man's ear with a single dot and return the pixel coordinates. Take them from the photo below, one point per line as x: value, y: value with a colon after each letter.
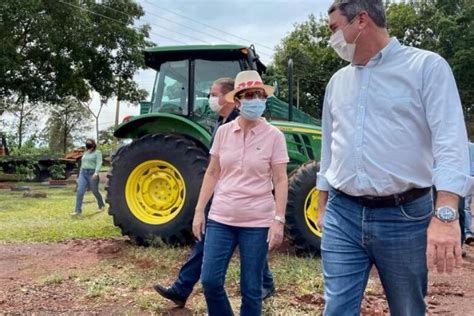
x: 363, y: 20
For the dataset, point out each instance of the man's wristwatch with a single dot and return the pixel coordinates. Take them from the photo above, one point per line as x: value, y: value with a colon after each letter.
x: 446, y: 214
x: 280, y: 219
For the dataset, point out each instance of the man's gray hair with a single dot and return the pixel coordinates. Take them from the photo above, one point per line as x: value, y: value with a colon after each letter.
x: 350, y: 8
x: 226, y: 84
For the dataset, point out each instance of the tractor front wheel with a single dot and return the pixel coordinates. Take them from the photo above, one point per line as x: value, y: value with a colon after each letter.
x: 153, y: 188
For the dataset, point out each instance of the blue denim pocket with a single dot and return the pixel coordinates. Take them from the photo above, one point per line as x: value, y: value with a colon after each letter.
x: 419, y: 209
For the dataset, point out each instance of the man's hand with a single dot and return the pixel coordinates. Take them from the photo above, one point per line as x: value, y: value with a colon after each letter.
x: 444, y: 246
x: 275, y: 235
x: 444, y: 239
x: 95, y: 176
x: 199, y: 224
x: 323, y: 198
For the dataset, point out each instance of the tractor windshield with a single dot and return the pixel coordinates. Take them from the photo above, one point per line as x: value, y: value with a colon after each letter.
x: 171, y: 92
x: 205, y: 73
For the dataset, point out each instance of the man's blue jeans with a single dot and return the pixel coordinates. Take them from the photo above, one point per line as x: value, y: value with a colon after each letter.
x: 391, y: 238
x: 221, y: 241
x: 467, y: 216
x: 85, y: 180
x: 190, y: 272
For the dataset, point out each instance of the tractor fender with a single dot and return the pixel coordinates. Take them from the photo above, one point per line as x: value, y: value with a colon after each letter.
x: 163, y: 123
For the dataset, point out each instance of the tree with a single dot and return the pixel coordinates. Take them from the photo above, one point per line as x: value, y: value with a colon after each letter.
x: 67, y: 123
x: 107, y: 136
x: 26, y: 120
x: 52, y: 50
x: 443, y: 26
x: 314, y: 63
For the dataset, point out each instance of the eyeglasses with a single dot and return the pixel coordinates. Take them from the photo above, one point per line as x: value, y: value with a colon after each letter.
x: 250, y: 95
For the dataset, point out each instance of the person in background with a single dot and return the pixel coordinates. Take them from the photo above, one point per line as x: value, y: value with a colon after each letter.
x: 469, y: 238
x: 248, y: 159
x: 190, y: 272
x: 91, y: 163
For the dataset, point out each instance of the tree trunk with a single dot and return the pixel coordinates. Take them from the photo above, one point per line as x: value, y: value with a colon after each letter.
x: 97, y: 130
x: 20, y: 126
x: 117, y: 108
x: 65, y: 133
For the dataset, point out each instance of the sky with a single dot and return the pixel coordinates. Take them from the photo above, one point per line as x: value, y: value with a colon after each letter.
x: 263, y: 23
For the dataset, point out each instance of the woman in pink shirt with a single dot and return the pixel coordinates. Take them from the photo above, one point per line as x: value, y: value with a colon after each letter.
x: 248, y: 161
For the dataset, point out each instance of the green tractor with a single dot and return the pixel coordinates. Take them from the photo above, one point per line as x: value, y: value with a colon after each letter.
x: 154, y: 183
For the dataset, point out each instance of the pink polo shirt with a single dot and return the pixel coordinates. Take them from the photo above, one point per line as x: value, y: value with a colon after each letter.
x: 243, y: 195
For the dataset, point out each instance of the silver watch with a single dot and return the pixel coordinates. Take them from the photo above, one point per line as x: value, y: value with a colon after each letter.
x: 446, y: 214
x: 280, y: 219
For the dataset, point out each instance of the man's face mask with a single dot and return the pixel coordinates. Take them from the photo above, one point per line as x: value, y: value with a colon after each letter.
x: 214, y: 104
x: 344, y: 49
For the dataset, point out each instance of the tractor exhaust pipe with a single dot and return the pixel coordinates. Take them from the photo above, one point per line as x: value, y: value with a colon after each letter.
x: 290, y: 90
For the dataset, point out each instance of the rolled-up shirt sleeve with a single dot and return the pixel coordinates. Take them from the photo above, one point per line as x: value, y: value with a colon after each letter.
x: 446, y: 121
x: 321, y: 182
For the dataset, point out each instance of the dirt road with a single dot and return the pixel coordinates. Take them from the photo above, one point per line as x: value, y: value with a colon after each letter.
x: 28, y: 284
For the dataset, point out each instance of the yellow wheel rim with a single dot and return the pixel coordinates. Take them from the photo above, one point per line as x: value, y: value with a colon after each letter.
x: 311, y: 212
x: 155, y: 192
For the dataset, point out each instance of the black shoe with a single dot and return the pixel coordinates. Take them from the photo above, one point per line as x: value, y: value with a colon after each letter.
x: 170, y: 293
x: 266, y: 293
x: 469, y: 239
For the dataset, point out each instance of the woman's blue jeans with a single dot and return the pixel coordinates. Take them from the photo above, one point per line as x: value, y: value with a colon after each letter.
x: 391, y: 238
x: 85, y: 180
x: 221, y: 241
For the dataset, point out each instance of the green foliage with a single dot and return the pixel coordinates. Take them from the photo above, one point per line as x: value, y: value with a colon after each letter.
x: 25, y: 171
x: 314, y: 63
x: 67, y: 123
x: 445, y: 27
x: 57, y: 171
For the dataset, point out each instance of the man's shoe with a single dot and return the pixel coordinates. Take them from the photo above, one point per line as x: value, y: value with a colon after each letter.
x: 170, y: 293
x: 469, y: 239
x: 267, y: 292
x: 75, y: 214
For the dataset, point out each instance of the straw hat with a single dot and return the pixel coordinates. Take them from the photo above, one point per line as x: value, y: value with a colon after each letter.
x: 247, y: 79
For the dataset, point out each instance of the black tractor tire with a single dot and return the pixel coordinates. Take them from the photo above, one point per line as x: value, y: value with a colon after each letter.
x: 184, y: 155
x: 301, y: 182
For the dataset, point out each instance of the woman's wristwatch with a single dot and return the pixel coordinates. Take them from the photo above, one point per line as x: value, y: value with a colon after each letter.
x: 280, y: 219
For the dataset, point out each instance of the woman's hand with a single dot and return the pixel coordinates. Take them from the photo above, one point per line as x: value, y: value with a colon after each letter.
x: 95, y: 176
x: 199, y: 224
x: 275, y: 235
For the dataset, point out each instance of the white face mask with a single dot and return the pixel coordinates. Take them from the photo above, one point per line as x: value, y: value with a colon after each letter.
x: 214, y: 104
x: 344, y: 49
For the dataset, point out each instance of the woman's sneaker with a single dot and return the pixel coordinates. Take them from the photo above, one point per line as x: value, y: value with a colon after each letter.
x: 75, y: 214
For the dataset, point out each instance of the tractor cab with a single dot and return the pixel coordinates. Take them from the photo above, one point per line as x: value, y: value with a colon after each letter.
x: 185, y: 75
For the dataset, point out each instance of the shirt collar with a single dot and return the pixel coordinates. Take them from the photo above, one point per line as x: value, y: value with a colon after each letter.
x: 392, y: 46
x: 236, y: 127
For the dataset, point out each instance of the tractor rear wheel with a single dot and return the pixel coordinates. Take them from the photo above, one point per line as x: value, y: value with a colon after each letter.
x: 153, y: 188
x: 302, y: 210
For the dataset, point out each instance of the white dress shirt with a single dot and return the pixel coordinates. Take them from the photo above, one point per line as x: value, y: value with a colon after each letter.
x: 394, y: 125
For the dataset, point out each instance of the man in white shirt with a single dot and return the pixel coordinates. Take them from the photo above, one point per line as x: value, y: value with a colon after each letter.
x: 388, y: 118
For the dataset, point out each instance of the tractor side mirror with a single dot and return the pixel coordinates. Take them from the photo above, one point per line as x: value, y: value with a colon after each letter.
x: 276, y: 88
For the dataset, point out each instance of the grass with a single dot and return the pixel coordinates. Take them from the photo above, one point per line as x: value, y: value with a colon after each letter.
x: 130, y: 276
x: 49, y: 220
